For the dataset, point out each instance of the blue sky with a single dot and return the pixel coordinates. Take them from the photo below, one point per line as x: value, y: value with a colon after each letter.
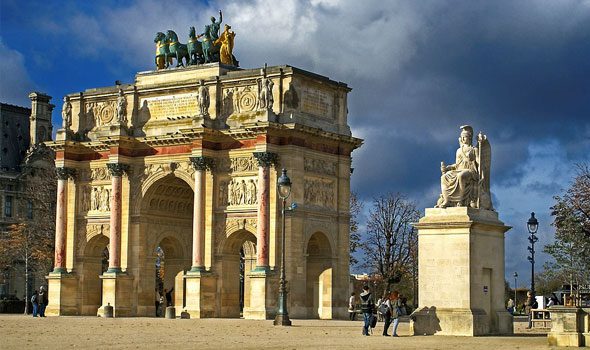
x: 518, y: 70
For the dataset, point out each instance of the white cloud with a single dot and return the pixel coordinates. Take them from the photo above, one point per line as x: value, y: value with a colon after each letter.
x: 15, y: 83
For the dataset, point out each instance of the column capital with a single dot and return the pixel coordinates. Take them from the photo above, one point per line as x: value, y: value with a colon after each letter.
x: 202, y: 163
x: 266, y: 159
x: 65, y: 173
x: 117, y: 169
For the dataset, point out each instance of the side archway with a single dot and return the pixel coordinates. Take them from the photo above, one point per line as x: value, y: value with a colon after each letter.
x: 319, y: 277
x: 94, y: 262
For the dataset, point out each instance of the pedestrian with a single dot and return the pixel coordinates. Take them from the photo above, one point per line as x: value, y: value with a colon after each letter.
x: 510, y: 306
x: 530, y: 304
x: 158, y: 299
x: 367, y: 306
x: 352, y: 306
x: 385, y: 311
x: 42, y: 300
x: 168, y: 294
x: 396, y: 312
x: 35, y: 302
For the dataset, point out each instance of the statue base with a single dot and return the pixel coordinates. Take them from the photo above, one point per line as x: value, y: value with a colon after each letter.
x: 461, y: 280
x: 116, y: 292
x: 62, y: 292
x: 261, y: 304
x: 567, y: 327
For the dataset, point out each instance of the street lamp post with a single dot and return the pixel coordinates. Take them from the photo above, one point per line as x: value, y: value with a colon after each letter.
x: 515, y: 286
x: 282, y: 317
x: 532, y: 226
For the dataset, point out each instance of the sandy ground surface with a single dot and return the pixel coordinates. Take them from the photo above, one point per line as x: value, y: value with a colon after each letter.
x: 25, y: 332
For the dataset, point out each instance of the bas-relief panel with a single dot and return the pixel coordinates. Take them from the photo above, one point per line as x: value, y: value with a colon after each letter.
x: 237, y: 165
x: 319, y: 192
x: 237, y: 191
x: 319, y: 166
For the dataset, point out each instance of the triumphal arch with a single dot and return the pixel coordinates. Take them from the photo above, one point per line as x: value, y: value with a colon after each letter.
x: 175, y: 174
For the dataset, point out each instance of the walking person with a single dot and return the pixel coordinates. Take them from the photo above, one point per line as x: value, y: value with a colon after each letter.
x: 385, y: 310
x: 352, y: 306
x: 35, y: 302
x: 367, y: 306
x: 529, y: 305
x: 510, y: 306
x: 396, y: 306
x: 42, y: 300
x: 157, y: 303
x: 168, y: 296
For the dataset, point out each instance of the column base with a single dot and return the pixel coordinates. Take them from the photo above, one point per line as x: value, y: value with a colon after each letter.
x: 117, y: 292
x: 201, y: 288
x: 63, y: 294
x: 263, y: 295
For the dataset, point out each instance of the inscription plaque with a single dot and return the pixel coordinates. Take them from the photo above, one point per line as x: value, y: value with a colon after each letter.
x: 163, y: 107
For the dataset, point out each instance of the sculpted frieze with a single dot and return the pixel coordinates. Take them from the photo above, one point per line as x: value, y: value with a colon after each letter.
x: 237, y: 164
x: 319, y: 192
x: 100, y: 174
x: 238, y: 191
x: 101, y: 113
x: 100, y: 199
x: 320, y: 166
x: 84, y: 196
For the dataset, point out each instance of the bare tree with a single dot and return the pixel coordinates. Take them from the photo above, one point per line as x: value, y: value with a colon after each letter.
x: 390, y: 242
x: 356, y: 207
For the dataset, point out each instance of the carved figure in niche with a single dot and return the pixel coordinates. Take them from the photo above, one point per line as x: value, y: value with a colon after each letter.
x: 66, y: 113
x: 105, y: 204
x: 121, y: 108
x: 235, y: 192
x: 251, y: 192
x: 243, y: 189
x: 203, y: 98
x: 228, y: 105
x: 223, y: 193
x: 95, y: 200
x: 466, y: 182
x: 265, y: 85
x: 291, y: 98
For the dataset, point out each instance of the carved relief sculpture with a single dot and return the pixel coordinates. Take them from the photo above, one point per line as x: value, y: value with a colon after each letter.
x: 319, y: 193
x: 238, y: 192
x: 466, y: 182
x: 265, y: 85
x: 100, y: 199
x: 203, y: 99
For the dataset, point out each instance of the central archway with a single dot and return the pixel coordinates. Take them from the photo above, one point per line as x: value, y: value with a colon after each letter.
x: 166, y: 214
x: 236, y: 258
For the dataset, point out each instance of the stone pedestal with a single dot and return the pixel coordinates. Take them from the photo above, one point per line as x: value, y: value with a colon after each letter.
x: 201, y: 290
x: 63, y: 294
x: 262, y: 299
x: 116, y: 291
x: 567, y: 326
x: 461, y: 280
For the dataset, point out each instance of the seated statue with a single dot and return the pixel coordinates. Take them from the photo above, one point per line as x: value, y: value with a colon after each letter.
x: 466, y: 183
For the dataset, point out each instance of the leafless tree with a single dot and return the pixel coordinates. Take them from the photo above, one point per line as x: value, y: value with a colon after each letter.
x: 390, y: 242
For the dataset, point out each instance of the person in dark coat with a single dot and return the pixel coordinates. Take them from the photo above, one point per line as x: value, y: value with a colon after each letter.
x: 169, y: 296
x: 42, y: 300
x: 35, y: 302
x: 367, y: 306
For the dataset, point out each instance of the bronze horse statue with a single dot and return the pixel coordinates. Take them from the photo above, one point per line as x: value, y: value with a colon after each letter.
x: 176, y: 49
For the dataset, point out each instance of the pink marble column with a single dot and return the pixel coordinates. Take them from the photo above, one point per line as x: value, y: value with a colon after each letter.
x: 61, y: 220
x: 116, y: 171
x: 265, y: 160
x: 200, y: 164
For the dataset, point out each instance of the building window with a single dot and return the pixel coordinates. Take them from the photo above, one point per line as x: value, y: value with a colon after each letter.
x: 8, y: 206
x: 30, y: 210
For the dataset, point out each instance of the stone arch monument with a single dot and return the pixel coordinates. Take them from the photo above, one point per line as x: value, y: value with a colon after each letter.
x: 148, y: 172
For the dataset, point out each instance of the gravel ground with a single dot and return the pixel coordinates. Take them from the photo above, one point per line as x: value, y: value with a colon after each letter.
x: 24, y: 332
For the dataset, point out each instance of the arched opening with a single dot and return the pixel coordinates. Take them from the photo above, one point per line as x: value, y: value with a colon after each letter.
x: 237, y: 259
x: 94, y: 262
x: 319, y: 277
x: 166, y: 228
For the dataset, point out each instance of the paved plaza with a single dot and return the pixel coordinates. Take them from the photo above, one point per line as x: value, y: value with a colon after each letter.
x: 20, y: 332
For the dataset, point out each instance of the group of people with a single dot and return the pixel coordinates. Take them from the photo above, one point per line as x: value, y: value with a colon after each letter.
x: 389, y: 306
x: 160, y: 300
x: 39, y: 301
